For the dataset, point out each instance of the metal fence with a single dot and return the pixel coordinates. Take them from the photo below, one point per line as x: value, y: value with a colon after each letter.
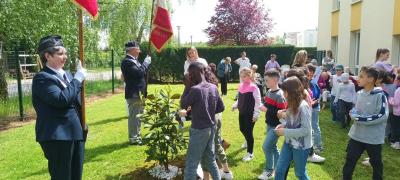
x: 21, y: 67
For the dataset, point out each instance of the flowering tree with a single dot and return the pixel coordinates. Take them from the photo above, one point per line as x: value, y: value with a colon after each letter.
x: 240, y: 22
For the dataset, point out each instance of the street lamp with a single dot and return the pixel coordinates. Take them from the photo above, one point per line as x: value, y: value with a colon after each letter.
x: 179, y: 36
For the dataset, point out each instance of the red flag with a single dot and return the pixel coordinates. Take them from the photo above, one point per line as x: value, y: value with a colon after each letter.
x: 162, y: 29
x: 89, y: 6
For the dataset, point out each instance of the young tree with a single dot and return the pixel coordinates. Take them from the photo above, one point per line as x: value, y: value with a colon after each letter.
x: 164, y: 139
x: 245, y: 22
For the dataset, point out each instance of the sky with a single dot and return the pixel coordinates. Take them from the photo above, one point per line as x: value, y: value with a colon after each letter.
x: 288, y: 16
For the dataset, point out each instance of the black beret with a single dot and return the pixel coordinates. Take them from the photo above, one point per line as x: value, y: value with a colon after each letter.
x: 49, y: 41
x: 131, y: 44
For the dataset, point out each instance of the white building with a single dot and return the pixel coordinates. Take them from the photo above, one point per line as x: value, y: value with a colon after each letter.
x: 355, y: 29
x: 307, y: 38
x: 290, y: 38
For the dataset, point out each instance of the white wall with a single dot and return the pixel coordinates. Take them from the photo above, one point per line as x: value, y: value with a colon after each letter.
x: 376, y: 28
x: 343, y: 56
x: 324, y: 25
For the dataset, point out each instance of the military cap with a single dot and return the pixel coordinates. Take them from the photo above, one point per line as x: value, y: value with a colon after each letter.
x: 131, y: 44
x: 50, y: 41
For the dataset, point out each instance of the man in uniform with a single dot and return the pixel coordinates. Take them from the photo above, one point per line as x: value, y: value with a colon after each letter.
x: 135, y: 84
x: 56, y: 99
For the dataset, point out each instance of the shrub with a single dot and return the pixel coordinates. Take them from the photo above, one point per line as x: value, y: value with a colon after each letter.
x: 164, y: 138
x: 167, y: 66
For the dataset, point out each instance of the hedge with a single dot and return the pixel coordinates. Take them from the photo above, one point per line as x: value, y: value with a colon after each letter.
x: 167, y: 66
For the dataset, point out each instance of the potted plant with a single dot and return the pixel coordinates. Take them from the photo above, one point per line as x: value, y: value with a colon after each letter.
x: 164, y: 138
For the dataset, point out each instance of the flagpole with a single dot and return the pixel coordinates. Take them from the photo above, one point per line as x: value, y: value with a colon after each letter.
x: 80, y: 34
x: 151, y: 26
x: 149, y: 45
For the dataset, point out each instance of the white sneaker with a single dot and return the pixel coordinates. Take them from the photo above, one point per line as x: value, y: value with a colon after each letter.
x: 315, y: 158
x: 266, y: 175
x: 396, y: 145
x: 244, y: 145
x: 226, y: 175
x: 366, y: 162
x: 248, y: 157
x: 199, y: 172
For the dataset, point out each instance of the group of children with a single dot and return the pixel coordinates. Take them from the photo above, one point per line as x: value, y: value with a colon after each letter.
x: 291, y: 106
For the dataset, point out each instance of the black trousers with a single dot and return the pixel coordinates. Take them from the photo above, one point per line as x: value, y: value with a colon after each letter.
x: 354, y: 151
x: 343, y: 112
x: 65, y: 159
x: 246, y: 127
x: 224, y: 84
x: 394, y: 127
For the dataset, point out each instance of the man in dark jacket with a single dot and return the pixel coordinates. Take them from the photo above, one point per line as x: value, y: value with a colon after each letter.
x: 56, y: 99
x: 224, y: 68
x: 135, y: 84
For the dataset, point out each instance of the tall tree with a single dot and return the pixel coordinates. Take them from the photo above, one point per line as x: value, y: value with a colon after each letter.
x: 128, y: 20
x: 240, y: 22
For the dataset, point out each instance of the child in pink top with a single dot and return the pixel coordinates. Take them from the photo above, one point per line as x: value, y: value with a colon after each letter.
x: 395, y: 121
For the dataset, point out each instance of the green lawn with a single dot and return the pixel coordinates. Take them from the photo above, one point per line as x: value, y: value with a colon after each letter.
x: 109, y: 156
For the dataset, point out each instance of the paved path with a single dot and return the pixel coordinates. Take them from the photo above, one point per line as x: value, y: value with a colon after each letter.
x: 27, y: 83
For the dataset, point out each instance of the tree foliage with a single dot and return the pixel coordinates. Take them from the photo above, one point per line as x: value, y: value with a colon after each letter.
x: 164, y: 138
x: 239, y: 22
x: 23, y: 23
x: 128, y: 20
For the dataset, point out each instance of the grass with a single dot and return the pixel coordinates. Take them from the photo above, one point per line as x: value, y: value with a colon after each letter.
x: 108, y: 155
x: 10, y: 108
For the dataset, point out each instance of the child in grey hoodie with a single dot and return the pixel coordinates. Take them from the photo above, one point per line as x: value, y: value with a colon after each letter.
x: 368, y: 130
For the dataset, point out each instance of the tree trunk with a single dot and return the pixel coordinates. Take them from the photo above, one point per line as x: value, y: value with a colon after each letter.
x: 166, y: 162
x: 3, y: 81
x: 141, y: 30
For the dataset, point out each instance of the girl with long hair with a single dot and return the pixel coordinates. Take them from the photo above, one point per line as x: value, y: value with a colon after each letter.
x: 296, y: 128
x: 300, y: 59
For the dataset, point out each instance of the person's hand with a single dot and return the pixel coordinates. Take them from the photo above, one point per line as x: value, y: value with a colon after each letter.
x: 314, y: 101
x: 147, y: 60
x: 182, y: 113
x: 80, y: 74
x: 263, y: 109
x: 280, y: 126
x: 255, y: 119
x: 281, y: 114
x: 280, y: 131
x: 233, y: 108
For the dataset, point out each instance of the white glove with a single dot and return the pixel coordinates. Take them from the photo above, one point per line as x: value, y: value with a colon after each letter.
x: 147, y: 60
x: 80, y: 74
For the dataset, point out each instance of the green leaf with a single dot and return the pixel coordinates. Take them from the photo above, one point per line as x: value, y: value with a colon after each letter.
x: 176, y: 96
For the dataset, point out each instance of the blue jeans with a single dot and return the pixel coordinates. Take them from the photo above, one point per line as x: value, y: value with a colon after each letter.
x: 270, y: 149
x: 333, y: 108
x: 201, y: 148
x: 315, y: 127
x: 299, y: 156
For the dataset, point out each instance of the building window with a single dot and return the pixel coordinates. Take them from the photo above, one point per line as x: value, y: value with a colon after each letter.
x: 355, y: 52
x: 396, y: 50
x: 335, y: 5
x: 334, y: 47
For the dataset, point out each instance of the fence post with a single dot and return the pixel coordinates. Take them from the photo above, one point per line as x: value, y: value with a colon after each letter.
x: 112, y: 71
x: 21, y: 107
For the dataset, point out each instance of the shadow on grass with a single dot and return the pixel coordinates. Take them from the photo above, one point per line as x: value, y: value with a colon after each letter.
x: 142, y: 172
x: 40, y: 172
x: 105, y: 121
x: 233, y: 159
x: 91, y: 154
